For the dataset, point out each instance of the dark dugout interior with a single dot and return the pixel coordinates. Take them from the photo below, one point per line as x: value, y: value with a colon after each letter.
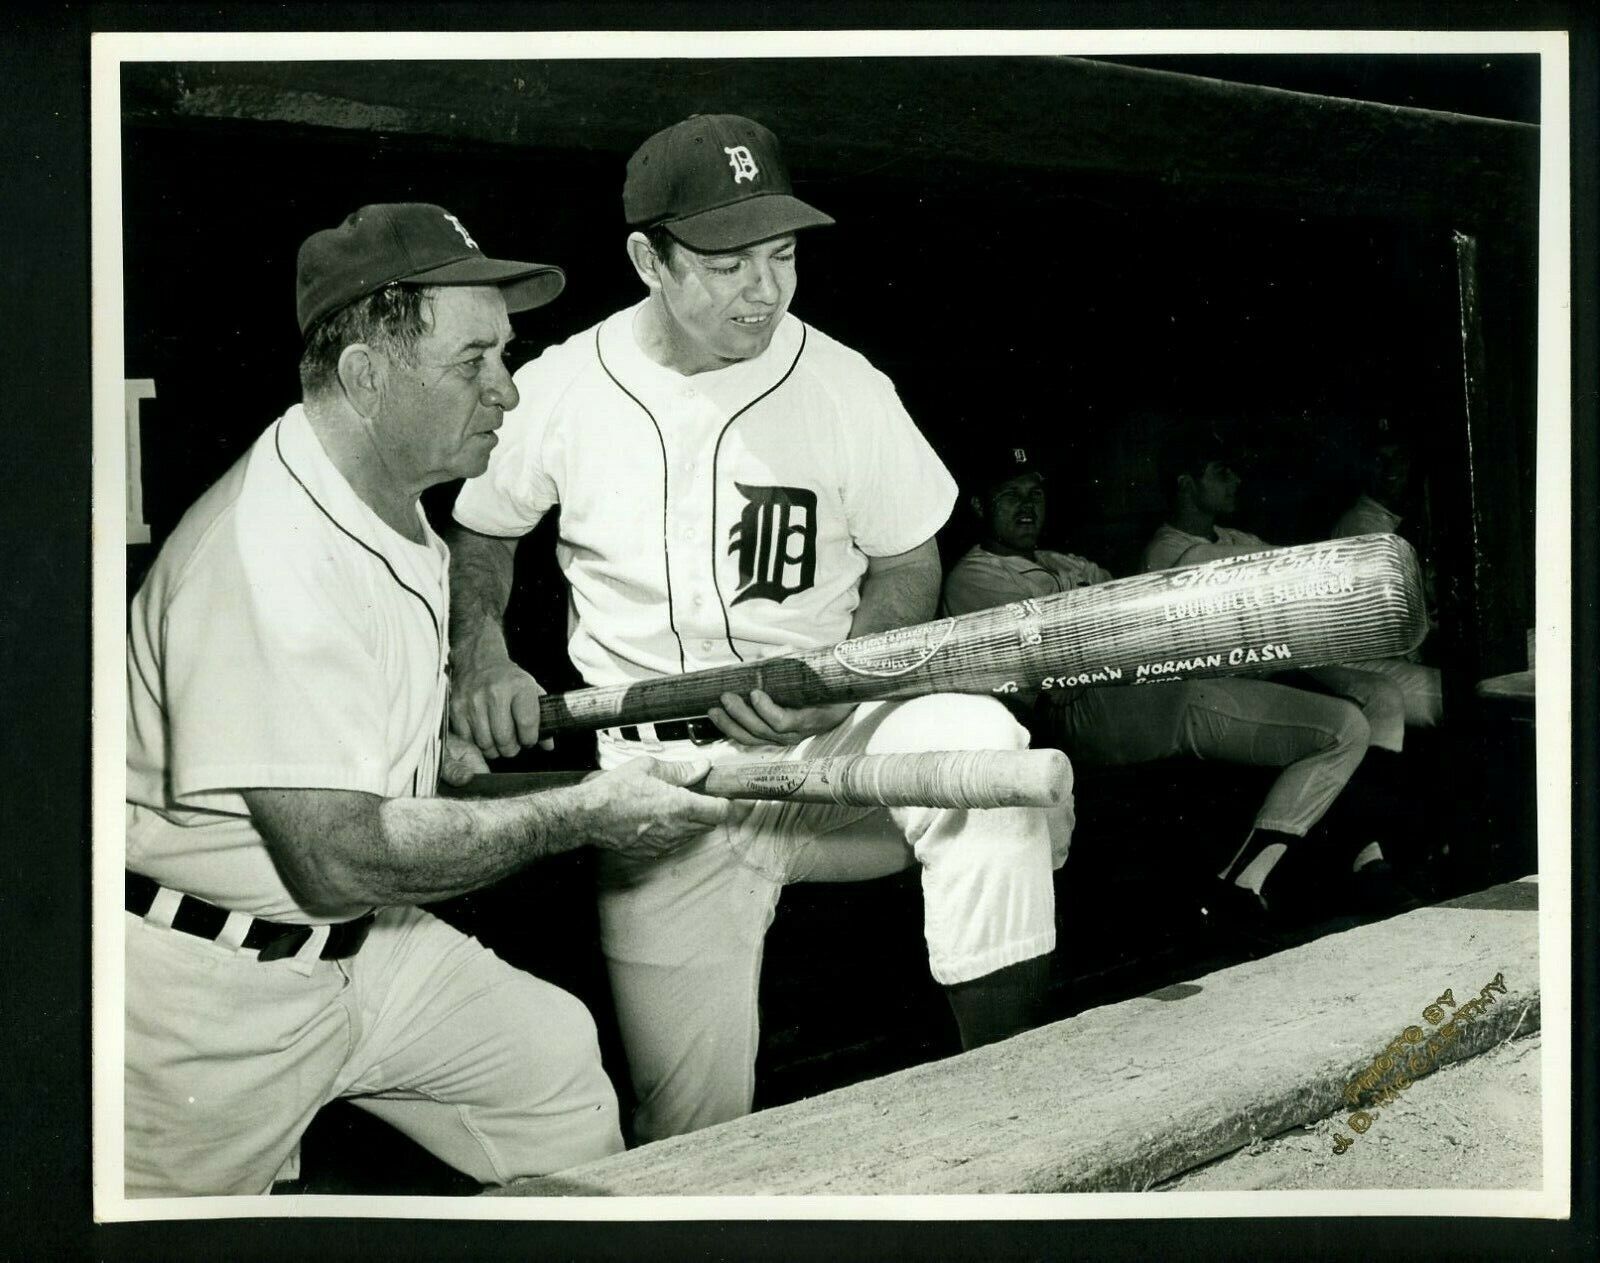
x: 1078, y: 257
x: 1073, y: 255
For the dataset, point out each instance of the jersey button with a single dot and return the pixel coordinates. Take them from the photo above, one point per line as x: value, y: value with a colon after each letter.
x: 708, y: 645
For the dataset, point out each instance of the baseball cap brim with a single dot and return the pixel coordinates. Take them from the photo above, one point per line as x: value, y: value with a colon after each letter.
x: 525, y: 285
x: 988, y: 481
x: 745, y: 222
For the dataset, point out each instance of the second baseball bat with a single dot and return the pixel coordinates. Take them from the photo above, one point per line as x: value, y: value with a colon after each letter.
x: 1281, y: 609
x: 941, y: 778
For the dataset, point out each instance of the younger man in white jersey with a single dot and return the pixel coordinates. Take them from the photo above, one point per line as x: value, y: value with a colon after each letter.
x: 734, y: 484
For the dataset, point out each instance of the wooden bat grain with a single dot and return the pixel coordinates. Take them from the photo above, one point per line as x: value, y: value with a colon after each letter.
x: 961, y: 779
x: 1281, y: 609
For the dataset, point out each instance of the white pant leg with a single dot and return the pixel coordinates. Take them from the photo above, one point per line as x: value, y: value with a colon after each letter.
x: 1379, y: 698
x: 683, y: 936
x: 988, y: 898
x: 1421, y: 689
x: 1317, y: 741
x: 490, y: 1069
x: 226, y: 1061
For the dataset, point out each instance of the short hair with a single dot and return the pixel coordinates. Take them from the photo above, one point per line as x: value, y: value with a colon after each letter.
x: 663, y: 244
x: 392, y: 319
x: 1189, y: 450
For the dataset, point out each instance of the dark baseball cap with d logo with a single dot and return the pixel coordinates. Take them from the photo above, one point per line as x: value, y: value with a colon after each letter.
x: 715, y: 182
x: 991, y: 467
x: 414, y: 242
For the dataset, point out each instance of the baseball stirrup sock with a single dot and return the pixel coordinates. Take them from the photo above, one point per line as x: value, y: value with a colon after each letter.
x: 1256, y: 859
x: 1000, y: 1004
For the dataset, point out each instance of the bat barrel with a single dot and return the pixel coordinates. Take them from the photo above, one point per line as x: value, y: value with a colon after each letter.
x: 1341, y: 601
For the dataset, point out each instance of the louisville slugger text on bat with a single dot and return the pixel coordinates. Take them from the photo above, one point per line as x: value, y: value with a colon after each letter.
x: 1284, y: 608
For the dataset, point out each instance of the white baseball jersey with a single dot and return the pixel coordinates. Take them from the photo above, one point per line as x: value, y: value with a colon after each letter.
x: 982, y: 579
x: 712, y: 518
x: 1171, y: 547
x: 285, y: 637
x: 1366, y: 517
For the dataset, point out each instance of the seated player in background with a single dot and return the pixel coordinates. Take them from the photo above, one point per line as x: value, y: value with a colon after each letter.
x: 1381, y: 509
x: 1317, y: 741
x: 1385, y: 486
x: 1203, y: 490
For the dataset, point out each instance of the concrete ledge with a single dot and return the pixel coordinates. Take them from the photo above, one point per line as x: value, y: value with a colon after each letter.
x: 1121, y: 1097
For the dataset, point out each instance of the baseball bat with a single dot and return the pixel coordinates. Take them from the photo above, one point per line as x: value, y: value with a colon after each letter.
x: 942, y: 778
x: 1280, y: 609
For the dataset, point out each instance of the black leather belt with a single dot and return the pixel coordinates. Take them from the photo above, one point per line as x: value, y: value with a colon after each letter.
x: 700, y: 731
x: 272, y: 939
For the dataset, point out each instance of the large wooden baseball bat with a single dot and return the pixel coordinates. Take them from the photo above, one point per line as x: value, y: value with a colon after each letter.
x: 941, y: 778
x: 1281, y: 609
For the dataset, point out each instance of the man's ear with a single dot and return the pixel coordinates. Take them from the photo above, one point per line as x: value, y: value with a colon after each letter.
x: 361, y: 372
x: 644, y: 259
x: 976, y: 504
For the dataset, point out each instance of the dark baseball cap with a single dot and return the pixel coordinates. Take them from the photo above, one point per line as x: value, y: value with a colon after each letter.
x: 413, y: 242
x: 992, y: 467
x: 715, y: 182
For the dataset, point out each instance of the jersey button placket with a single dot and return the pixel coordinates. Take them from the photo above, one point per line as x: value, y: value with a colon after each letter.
x: 682, y: 544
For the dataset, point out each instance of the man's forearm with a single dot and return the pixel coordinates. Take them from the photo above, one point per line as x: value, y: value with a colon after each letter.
x: 341, y: 848
x: 481, y: 571
x: 434, y: 848
x: 899, y: 592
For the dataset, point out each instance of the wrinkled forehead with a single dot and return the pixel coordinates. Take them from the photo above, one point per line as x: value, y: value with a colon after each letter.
x: 463, y: 314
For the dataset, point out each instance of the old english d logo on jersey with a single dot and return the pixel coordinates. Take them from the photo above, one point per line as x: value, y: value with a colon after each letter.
x: 775, y: 540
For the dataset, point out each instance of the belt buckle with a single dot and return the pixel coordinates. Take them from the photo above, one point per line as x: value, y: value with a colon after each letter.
x: 285, y: 944
x: 702, y: 732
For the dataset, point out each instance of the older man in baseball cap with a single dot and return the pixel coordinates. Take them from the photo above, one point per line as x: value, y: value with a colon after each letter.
x: 287, y: 678
x: 734, y: 484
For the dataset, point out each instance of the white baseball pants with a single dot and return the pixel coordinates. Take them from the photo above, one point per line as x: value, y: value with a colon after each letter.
x: 683, y: 935
x: 227, y: 1058
x: 1318, y: 741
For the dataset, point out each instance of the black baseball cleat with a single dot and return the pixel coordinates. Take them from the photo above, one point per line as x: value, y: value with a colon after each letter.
x: 1236, y: 913
x: 1377, y: 891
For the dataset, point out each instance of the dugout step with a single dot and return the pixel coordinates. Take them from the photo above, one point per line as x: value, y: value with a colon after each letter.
x: 1124, y: 1096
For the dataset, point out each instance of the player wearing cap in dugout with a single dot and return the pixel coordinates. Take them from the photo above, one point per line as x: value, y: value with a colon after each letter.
x: 1202, y: 486
x: 735, y: 484
x: 286, y: 699
x: 1317, y: 741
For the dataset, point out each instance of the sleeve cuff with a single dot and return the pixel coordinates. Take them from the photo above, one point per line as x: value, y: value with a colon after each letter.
x: 925, y: 528
x: 203, y: 786
x: 464, y: 516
